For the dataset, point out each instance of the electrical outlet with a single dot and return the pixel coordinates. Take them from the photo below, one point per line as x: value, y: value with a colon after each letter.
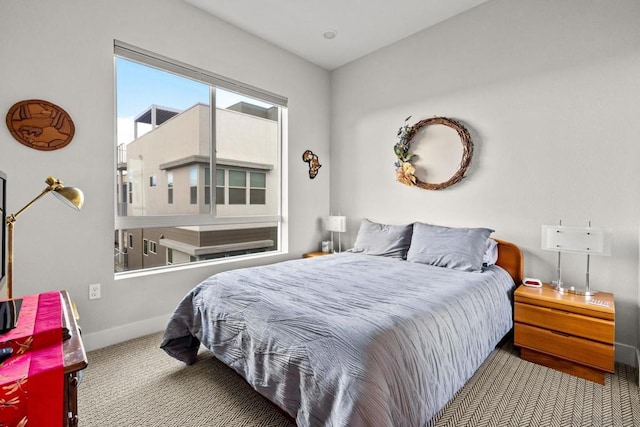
x: 94, y: 291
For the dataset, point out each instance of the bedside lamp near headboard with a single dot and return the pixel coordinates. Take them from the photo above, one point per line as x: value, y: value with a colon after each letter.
x: 337, y: 224
x: 580, y: 240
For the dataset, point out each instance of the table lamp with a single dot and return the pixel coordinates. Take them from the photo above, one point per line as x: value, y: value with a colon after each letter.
x: 72, y: 197
x: 579, y: 240
x: 337, y: 224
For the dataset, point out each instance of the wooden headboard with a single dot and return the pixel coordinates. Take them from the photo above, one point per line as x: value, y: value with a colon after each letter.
x: 511, y: 259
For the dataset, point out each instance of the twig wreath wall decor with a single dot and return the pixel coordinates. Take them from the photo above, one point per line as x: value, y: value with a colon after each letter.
x: 405, y: 169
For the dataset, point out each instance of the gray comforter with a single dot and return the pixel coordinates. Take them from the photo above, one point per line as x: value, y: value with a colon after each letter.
x: 348, y: 340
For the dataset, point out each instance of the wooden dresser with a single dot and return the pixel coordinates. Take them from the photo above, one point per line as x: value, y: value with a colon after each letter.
x: 75, y: 359
x: 564, y: 332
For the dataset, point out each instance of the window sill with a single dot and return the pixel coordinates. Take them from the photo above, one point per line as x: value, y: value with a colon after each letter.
x: 200, y: 264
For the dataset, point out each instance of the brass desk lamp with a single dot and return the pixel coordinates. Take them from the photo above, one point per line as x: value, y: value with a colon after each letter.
x: 73, y: 197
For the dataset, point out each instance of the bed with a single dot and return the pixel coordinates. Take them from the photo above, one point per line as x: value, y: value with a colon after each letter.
x: 352, y: 339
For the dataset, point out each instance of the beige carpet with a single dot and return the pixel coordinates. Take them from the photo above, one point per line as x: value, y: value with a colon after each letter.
x: 137, y: 384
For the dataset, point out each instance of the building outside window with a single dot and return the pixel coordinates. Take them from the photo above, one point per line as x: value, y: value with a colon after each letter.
x: 169, y: 135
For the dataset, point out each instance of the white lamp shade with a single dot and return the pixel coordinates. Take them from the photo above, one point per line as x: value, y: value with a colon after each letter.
x: 337, y: 224
x: 583, y: 240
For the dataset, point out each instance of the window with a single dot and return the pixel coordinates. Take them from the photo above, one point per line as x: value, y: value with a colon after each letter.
x: 178, y: 123
x: 124, y: 196
x: 237, y: 187
x: 220, y: 185
x: 193, y: 186
x: 257, y: 193
x: 239, y: 193
x: 207, y: 185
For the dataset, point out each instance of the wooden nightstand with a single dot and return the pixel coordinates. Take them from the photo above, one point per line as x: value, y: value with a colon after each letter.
x: 315, y: 254
x: 564, y: 332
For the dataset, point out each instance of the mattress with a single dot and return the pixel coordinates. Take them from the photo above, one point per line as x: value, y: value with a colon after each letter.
x: 348, y: 339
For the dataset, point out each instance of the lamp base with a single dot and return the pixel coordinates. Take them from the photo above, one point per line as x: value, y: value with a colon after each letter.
x: 572, y: 290
x: 586, y: 293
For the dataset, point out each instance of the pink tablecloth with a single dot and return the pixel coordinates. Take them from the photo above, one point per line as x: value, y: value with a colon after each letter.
x: 32, y: 379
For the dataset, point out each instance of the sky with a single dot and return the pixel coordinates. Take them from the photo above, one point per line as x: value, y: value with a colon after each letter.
x: 139, y: 86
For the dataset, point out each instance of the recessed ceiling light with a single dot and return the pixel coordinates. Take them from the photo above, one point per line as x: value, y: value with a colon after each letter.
x: 330, y: 34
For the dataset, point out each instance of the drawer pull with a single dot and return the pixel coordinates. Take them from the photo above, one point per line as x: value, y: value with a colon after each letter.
x: 560, y: 311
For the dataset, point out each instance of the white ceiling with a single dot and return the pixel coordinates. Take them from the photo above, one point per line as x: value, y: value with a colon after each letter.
x: 362, y: 26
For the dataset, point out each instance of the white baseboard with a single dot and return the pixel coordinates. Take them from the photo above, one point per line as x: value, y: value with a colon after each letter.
x: 638, y: 365
x: 123, y: 333
x: 626, y: 354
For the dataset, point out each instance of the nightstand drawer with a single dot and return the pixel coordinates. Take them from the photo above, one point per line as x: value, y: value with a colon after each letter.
x: 586, y: 352
x: 563, y: 321
x: 315, y: 254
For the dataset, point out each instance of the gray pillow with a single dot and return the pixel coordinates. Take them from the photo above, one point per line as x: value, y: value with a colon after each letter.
x: 456, y: 248
x: 382, y: 239
x: 490, y: 252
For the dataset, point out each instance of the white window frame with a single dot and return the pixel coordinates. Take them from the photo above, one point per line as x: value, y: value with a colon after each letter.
x: 147, y: 58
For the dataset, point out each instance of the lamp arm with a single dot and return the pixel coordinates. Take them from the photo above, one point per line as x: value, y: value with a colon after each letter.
x: 12, y: 218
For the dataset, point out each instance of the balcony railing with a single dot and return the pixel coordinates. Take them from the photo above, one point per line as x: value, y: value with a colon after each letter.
x: 122, y: 154
x: 120, y: 260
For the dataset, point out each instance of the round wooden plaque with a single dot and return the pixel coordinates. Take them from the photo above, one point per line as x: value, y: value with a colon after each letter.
x: 40, y: 125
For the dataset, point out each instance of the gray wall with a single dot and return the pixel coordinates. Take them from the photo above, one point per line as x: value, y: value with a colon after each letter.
x: 62, y: 51
x: 550, y: 93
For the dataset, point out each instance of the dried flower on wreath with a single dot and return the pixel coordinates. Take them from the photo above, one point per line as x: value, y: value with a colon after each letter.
x: 406, y: 174
x: 404, y: 168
